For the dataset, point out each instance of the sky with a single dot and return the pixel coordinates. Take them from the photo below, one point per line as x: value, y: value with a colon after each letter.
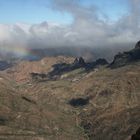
x: 36, y: 11
x: 26, y: 24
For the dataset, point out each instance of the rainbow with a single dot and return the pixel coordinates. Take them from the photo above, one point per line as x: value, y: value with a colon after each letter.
x: 17, y: 50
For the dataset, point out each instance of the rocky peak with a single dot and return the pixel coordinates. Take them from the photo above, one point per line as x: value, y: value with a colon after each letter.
x: 137, y: 44
x: 79, y: 61
x: 122, y: 59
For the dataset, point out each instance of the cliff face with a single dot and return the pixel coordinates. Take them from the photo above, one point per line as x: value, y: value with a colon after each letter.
x: 126, y: 58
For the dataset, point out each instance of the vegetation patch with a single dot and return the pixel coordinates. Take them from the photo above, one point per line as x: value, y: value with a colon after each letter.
x: 3, y: 120
x: 77, y: 102
x: 28, y: 100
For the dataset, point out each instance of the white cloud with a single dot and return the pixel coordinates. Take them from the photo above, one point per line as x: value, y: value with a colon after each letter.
x: 86, y: 30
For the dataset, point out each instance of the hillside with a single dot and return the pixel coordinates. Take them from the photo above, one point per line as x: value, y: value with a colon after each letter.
x: 97, y: 104
x: 33, y: 115
x: 21, y: 71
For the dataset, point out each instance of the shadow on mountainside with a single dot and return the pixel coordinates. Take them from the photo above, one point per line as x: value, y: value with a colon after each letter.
x: 62, y: 68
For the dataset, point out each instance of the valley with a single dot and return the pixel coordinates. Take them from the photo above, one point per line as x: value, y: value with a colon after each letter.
x: 82, y: 101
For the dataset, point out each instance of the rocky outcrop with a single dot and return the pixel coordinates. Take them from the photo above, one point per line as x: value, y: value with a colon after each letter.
x: 62, y: 68
x: 125, y: 58
x: 59, y: 69
x: 79, y: 62
x: 137, y: 45
x: 5, y: 65
x: 97, y: 63
x: 101, y: 61
x: 136, y: 136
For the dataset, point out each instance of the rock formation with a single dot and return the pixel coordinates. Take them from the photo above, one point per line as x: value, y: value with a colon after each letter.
x: 61, y: 68
x: 125, y: 58
x: 136, y: 136
x: 137, y: 44
x: 79, y: 61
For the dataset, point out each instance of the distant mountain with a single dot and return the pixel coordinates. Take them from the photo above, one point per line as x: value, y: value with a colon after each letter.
x: 88, y: 53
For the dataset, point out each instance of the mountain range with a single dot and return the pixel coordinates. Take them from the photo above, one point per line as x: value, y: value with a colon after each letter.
x: 63, y: 97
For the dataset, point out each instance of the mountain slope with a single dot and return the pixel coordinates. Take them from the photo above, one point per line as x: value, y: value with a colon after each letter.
x: 100, y: 104
x: 112, y: 111
x: 37, y: 117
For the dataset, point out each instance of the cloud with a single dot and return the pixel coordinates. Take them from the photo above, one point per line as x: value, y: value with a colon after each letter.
x: 86, y: 30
